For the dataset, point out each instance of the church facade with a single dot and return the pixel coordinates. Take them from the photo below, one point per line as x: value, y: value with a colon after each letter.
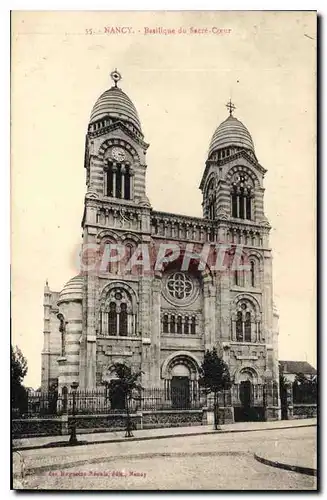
x: 151, y: 292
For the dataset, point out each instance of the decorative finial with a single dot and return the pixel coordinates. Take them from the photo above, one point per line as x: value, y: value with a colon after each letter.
x: 115, y: 76
x: 230, y: 106
x: 46, y: 282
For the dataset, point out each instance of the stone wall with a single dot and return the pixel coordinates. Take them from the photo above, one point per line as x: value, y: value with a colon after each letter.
x: 33, y: 427
x: 304, y: 411
x: 171, y: 418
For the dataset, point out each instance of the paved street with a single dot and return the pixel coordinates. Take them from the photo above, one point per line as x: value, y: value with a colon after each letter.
x: 219, y: 461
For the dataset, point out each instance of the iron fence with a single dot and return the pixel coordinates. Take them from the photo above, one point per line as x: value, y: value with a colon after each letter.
x: 304, y: 395
x: 103, y: 401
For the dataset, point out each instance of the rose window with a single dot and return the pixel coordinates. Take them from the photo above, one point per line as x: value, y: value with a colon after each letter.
x: 180, y: 286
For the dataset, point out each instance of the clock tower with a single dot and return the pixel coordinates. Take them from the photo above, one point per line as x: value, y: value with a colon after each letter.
x: 116, y: 211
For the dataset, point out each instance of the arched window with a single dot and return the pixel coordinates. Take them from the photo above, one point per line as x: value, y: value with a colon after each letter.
x: 239, y: 327
x: 129, y: 250
x: 118, y: 182
x: 165, y: 323
x: 193, y: 325
x: 172, y: 324
x: 107, y: 253
x: 210, y: 199
x: 247, y: 327
x: 252, y: 272
x: 186, y: 325
x: 239, y: 274
x: 123, y: 320
x: 179, y: 325
x: 248, y: 208
x: 234, y: 202
x: 109, y: 183
x: 241, y: 197
x: 112, y: 319
x: 127, y: 180
x: 116, y: 314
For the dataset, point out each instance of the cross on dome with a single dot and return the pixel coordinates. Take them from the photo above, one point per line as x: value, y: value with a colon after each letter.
x: 115, y: 76
x: 231, y: 107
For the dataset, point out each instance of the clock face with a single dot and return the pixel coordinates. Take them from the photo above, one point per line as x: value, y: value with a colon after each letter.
x: 118, y: 154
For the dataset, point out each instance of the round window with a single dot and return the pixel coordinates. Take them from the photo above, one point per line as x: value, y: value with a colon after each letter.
x: 180, y: 288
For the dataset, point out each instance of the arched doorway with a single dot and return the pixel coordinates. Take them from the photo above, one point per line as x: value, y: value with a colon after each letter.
x: 248, y: 404
x: 180, y: 386
x: 180, y: 375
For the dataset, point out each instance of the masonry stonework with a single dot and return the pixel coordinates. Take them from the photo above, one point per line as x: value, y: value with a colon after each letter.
x: 161, y: 322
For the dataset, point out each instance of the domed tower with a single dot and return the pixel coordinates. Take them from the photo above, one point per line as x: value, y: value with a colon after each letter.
x: 116, y: 212
x: 115, y: 149
x: 70, y: 327
x: 233, y: 200
x: 232, y: 180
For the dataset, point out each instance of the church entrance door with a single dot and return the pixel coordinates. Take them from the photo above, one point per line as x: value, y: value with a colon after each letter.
x: 251, y: 405
x: 245, y: 399
x: 180, y: 392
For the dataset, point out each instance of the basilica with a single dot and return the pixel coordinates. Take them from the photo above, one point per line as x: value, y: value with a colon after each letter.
x: 162, y: 321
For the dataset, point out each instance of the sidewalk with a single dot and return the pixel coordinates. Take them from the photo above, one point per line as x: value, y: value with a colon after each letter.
x: 146, y: 434
x: 297, y: 456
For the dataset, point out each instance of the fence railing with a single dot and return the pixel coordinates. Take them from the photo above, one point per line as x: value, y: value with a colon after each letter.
x: 301, y: 396
x: 103, y: 401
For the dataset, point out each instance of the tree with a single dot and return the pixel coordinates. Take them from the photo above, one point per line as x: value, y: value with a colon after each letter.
x: 19, y: 398
x: 126, y: 384
x: 214, y: 377
x: 283, y: 384
x: 305, y: 389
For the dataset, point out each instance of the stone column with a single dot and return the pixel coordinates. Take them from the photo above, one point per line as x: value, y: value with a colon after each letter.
x: 146, y: 328
x: 209, y: 314
x: 155, y: 333
x: 131, y: 183
x: 91, y: 320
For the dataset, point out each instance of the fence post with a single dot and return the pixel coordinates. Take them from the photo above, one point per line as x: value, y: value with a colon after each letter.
x: 289, y: 391
x: 64, y: 424
x: 139, y: 420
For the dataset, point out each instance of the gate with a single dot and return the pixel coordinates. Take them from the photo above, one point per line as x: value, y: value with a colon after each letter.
x: 249, y: 402
x: 180, y: 392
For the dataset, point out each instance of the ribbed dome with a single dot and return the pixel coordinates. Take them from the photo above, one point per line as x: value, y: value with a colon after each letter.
x: 231, y: 132
x: 116, y: 104
x: 73, y: 290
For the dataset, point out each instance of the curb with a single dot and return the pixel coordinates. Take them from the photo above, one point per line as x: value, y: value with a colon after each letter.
x: 280, y: 465
x: 148, y: 438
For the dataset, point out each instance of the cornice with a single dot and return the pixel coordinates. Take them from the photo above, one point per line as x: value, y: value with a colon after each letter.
x: 240, y: 224
x: 224, y: 161
x: 118, y: 125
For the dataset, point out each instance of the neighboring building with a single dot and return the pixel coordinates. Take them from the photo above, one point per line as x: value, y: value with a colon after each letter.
x: 163, y: 322
x: 292, y: 368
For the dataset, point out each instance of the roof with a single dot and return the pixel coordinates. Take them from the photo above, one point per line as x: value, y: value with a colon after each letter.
x: 297, y: 367
x: 73, y: 290
x: 116, y: 104
x: 231, y: 132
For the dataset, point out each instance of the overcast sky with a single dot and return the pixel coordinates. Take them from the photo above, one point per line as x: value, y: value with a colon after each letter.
x: 179, y: 85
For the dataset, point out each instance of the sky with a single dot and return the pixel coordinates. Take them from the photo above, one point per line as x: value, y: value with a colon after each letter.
x: 179, y: 83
